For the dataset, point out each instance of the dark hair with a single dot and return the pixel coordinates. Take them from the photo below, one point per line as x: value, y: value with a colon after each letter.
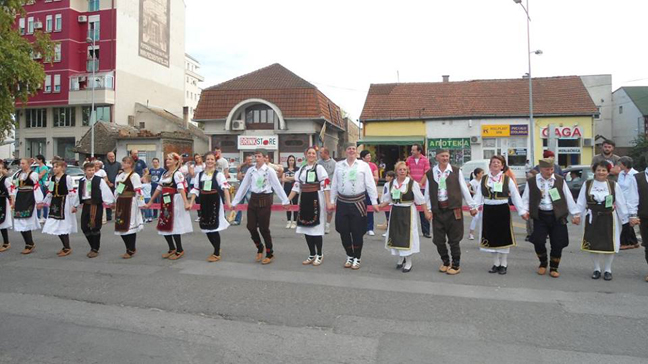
x: 216, y: 147
x: 258, y: 151
x: 608, y: 141
x: 61, y: 163
x: 627, y: 162
x: 87, y: 165
x: 364, y: 153
x: 501, y: 159
x: 288, y: 164
x: 40, y: 158
x: 155, y: 159
x: 418, y: 147
x: 603, y: 164
x: 129, y: 159
x: 474, y: 173
x: 391, y: 174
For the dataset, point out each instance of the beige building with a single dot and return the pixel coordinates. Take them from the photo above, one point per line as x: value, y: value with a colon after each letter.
x: 192, y: 79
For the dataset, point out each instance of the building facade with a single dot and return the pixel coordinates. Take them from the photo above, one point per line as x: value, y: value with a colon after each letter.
x: 192, y: 81
x: 273, y: 109
x: 630, y: 116
x: 136, y: 50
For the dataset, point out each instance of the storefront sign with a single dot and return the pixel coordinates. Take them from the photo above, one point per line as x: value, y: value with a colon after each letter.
x: 569, y: 150
x: 504, y: 130
x: 262, y: 142
x: 449, y: 143
x: 565, y: 132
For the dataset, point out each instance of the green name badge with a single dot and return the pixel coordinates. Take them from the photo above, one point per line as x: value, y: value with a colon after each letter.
x: 259, y: 182
x: 442, y: 183
x: 310, y: 177
x: 120, y: 187
x: 207, y: 186
x: 167, y: 199
x: 353, y: 174
x: 498, y: 187
x: 88, y: 186
x: 396, y: 194
x: 50, y: 186
x: 554, y: 194
x: 609, y: 201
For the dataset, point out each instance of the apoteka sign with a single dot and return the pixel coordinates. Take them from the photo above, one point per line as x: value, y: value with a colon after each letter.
x: 247, y: 142
x: 565, y: 132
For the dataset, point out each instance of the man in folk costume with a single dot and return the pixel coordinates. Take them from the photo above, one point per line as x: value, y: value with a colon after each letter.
x: 93, y: 193
x: 549, y: 202
x: 638, y: 206
x: 261, y: 180
x: 352, y: 179
x: 446, y: 187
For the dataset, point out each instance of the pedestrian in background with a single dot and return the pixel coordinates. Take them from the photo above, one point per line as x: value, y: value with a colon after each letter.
x: 43, y: 173
x: 156, y: 174
x: 475, y: 183
x: 638, y: 207
x: 607, y: 155
x: 625, y: 179
x: 418, y: 166
x: 146, y: 193
x: 241, y: 171
x: 329, y: 165
x: 112, y: 168
x: 365, y: 155
x: 288, y: 180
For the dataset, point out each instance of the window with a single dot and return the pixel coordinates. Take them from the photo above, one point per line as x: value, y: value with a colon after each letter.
x: 30, y: 25
x: 93, y: 5
x: 49, y: 23
x: 36, y: 118
x: 102, y: 113
x: 57, y: 83
x: 21, y: 26
x: 58, y: 22
x: 93, y: 27
x: 92, y: 64
x: 64, y: 116
x: 48, y: 83
x: 620, y: 109
x: 260, y: 117
x: 57, y: 52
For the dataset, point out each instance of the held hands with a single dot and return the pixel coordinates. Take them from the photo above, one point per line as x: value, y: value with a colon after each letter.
x: 634, y: 221
x: 74, y: 210
x: 286, y: 206
x: 576, y: 220
x: 473, y: 212
x: 330, y: 206
x: 429, y: 216
x: 526, y: 217
x: 228, y: 206
x: 187, y: 206
x: 376, y: 208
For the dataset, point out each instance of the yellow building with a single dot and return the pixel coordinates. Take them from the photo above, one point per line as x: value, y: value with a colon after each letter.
x: 390, y: 141
x: 575, y: 138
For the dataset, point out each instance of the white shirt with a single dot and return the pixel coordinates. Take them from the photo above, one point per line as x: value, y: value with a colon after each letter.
x: 354, y: 179
x: 220, y: 179
x: 624, y: 181
x: 443, y: 193
x: 178, y: 178
x: 515, y: 194
x: 106, y: 194
x: 544, y: 185
x: 419, y: 199
x: 101, y: 173
x: 633, y: 195
x: 260, y: 180
x: 322, y: 177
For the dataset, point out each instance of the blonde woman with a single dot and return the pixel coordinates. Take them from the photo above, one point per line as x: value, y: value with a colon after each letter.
x: 128, y: 197
x: 174, y: 219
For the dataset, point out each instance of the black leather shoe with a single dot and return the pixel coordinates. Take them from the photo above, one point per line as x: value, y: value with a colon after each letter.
x: 405, y: 270
x: 528, y: 238
x: 427, y: 236
x: 502, y: 270
x: 494, y: 269
x: 607, y: 276
x: 596, y: 274
x: 400, y: 265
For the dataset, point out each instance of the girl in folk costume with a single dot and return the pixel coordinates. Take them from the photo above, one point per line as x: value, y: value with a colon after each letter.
x: 60, y: 198
x: 27, y: 194
x: 128, y: 198
x: 312, y: 186
x: 475, y: 179
x: 93, y: 193
x: 402, y: 230
x: 603, y: 207
x: 174, y: 219
x: 496, y: 236
x: 6, y: 201
x: 288, y: 180
x: 212, y: 188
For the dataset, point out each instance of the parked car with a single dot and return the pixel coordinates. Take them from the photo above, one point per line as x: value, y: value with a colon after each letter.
x: 232, y: 180
x: 470, y: 166
x: 73, y: 171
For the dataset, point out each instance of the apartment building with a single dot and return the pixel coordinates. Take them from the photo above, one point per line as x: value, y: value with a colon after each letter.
x: 192, y: 79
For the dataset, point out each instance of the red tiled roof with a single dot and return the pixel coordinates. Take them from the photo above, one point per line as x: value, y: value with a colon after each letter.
x: 294, y: 96
x: 481, y: 98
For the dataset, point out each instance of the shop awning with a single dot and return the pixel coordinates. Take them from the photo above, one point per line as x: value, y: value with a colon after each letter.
x: 391, y: 140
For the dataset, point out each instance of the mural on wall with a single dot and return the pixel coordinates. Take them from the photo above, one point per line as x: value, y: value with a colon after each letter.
x: 154, y: 30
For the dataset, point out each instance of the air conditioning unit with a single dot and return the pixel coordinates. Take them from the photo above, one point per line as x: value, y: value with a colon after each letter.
x: 37, y: 56
x: 82, y: 18
x: 589, y: 142
x: 38, y: 25
x: 475, y: 140
x: 238, y: 125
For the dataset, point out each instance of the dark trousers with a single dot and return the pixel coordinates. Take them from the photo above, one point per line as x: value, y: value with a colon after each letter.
x: 643, y: 229
x: 92, y: 234
x: 547, y: 224
x: 425, y: 224
x: 109, y: 211
x: 352, y: 226
x: 258, y: 221
x: 370, y: 215
x: 628, y: 235
x: 445, y: 227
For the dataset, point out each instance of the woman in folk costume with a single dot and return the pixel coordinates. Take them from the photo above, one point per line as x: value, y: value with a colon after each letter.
x: 6, y: 201
x: 128, y: 198
x: 402, y: 230
x: 60, y: 198
x: 496, y: 236
x: 212, y: 188
x: 313, y: 186
x: 27, y: 194
x: 603, y: 207
x: 174, y: 219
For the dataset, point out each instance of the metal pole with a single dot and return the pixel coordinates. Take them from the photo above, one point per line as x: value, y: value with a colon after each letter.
x: 92, y: 112
x: 531, y: 121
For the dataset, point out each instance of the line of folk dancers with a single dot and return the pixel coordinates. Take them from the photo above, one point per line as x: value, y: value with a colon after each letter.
x: 601, y: 206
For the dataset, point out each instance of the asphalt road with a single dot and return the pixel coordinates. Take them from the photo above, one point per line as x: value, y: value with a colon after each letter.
x: 150, y: 310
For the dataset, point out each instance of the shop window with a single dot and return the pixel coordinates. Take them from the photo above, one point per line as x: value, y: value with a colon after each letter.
x: 64, y: 116
x: 36, y: 118
x: 260, y: 117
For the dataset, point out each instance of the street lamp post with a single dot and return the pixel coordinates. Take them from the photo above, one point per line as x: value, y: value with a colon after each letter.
x: 538, y: 52
x: 92, y: 109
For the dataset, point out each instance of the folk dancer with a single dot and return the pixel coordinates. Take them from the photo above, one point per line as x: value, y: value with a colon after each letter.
x: 549, y: 202
x: 446, y: 187
x: 261, y: 180
x: 313, y: 187
x: 603, y: 207
x: 638, y: 207
x: 353, y: 178
x: 93, y: 193
x: 27, y: 195
x: 213, y: 189
x: 625, y: 178
x: 403, y: 194
x: 60, y: 198
x: 6, y: 202
x: 174, y: 220
x: 128, y: 198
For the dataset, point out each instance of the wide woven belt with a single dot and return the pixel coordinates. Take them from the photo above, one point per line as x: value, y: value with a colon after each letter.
x: 310, y: 187
x: 351, y: 199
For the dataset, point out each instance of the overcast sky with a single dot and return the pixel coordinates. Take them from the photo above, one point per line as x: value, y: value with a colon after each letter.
x: 342, y: 46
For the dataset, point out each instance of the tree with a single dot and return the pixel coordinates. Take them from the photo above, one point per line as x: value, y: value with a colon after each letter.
x: 20, y: 75
x: 639, y: 153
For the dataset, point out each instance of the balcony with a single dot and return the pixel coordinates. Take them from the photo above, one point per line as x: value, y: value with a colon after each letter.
x: 81, y: 89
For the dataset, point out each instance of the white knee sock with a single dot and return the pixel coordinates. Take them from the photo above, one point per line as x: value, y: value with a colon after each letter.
x: 496, y: 259
x: 597, y: 262
x: 608, y: 262
x: 503, y: 257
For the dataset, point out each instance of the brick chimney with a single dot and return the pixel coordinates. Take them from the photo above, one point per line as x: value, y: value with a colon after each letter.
x: 446, y: 78
x: 185, y: 116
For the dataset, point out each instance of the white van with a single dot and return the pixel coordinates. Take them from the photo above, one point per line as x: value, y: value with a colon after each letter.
x: 468, y: 167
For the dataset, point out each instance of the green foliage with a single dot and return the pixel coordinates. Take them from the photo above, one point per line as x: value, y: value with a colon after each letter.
x: 639, y: 153
x: 20, y: 75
